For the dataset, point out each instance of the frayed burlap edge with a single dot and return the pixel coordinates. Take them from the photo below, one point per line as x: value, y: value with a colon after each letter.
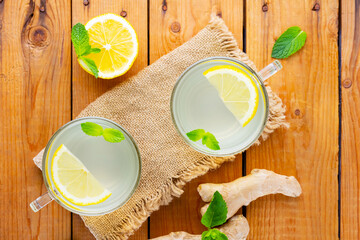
x: 173, y: 187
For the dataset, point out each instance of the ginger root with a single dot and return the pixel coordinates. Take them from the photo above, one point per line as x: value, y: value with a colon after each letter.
x: 237, y: 228
x: 243, y: 190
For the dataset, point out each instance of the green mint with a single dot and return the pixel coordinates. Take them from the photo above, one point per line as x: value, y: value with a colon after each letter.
x: 80, y: 40
x: 213, y: 234
x: 109, y: 134
x: 92, y: 129
x: 208, y: 139
x: 196, y: 135
x: 113, y: 135
x: 291, y: 41
x: 216, y: 213
x: 91, y: 65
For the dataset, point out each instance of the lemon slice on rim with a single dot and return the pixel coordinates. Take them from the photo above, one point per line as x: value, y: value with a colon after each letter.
x: 236, y: 89
x: 118, y: 42
x: 74, y: 181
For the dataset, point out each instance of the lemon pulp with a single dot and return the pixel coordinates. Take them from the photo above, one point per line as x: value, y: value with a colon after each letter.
x: 118, y: 42
x: 236, y: 89
x: 74, y: 181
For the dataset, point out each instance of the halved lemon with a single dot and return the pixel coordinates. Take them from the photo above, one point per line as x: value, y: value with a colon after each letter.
x: 74, y: 181
x: 118, y: 42
x: 236, y: 89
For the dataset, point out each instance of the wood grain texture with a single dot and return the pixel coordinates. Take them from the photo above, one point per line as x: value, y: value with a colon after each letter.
x: 308, y: 85
x: 171, y: 24
x: 350, y: 145
x: 86, y: 88
x: 35, y: 101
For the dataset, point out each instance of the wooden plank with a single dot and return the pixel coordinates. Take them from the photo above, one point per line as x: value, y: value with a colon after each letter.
x: 350, y: 155
x: 86, y: 88
x: 35, y: 101
x: 308, y: 85
x: 183, y: 214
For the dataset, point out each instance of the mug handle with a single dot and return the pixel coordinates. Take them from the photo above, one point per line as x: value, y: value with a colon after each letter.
x: 270, y: 70
x: 41, y: 202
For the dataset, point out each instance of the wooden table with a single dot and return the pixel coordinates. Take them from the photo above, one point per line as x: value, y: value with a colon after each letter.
x: 42, y: 87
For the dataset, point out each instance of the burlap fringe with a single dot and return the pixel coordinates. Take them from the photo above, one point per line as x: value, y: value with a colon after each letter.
x: 173, y: 187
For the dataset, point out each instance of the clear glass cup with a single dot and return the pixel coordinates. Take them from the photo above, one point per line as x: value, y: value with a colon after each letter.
x: 195, y: 104
x: 117, y: 166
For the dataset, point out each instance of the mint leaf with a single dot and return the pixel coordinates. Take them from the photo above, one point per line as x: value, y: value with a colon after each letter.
x: 92, y: 129
x: 210, y: 141
x: 113, y: 135
x: 80, y: 39
x: 91, y: 65
x: 216, y: 213
x: 91, y: 50
x: 95, y: 50
x: 213, y: 234
x: 291, y: 41
x: 196, y: 135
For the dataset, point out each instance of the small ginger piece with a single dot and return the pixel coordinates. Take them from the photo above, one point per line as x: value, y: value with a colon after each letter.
x: 237, y: 228
x: 246, y: 189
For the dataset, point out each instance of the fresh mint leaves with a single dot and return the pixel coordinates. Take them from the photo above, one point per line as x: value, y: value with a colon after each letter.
x: 208, y: 139
x: 216, y: 213
x: 291, y: 41
x: 213, y: 234
x: 110, y: 134
x: 214, y: 216
x: 196, y: 135
x: 92, y: 129
x: 113, y: 135
x: 80, y: 40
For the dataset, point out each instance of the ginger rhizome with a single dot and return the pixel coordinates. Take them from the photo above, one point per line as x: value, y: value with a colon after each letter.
x: 244, y: 190
x: 237, y: 228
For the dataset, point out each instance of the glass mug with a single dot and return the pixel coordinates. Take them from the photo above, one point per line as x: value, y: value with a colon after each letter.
x: 117, y: 166
x: 195, y: 104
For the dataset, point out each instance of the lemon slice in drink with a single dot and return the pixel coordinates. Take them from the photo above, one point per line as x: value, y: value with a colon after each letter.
x: 236, y: 89
x: 118, y: 43
x: 74, y: 181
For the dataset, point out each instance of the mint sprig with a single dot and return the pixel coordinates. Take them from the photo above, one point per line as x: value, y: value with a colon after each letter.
x: 213, y: 234
x: 216, y: 213
x: 214, y: 216
x: 208, y: 139
x: 80, y: 40
x: 109, y: 134
x: 291, y: 41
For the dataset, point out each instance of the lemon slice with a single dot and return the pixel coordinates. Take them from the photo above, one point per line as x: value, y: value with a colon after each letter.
x: 236, y: 89
x: 74, y: 181
x: 118, y: 43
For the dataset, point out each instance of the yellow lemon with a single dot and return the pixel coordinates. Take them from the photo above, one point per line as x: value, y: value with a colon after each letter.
x: 118, y: 43
x: 74, y: 181
x: 236, y: 89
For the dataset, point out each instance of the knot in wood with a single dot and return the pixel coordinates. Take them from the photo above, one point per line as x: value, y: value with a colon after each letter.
x: 265, y: 8
x: 175, y: 27
x: 39, y: 36
x: 347, y: 83
x: 297, y: 112
x: 164, y: 8
x: 123, y: 13
x: 316, y: 7
x: 42, y: 8
x: 86, y: 2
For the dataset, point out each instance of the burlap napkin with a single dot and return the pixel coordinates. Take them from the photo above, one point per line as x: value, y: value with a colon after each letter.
x: 141, y: 105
